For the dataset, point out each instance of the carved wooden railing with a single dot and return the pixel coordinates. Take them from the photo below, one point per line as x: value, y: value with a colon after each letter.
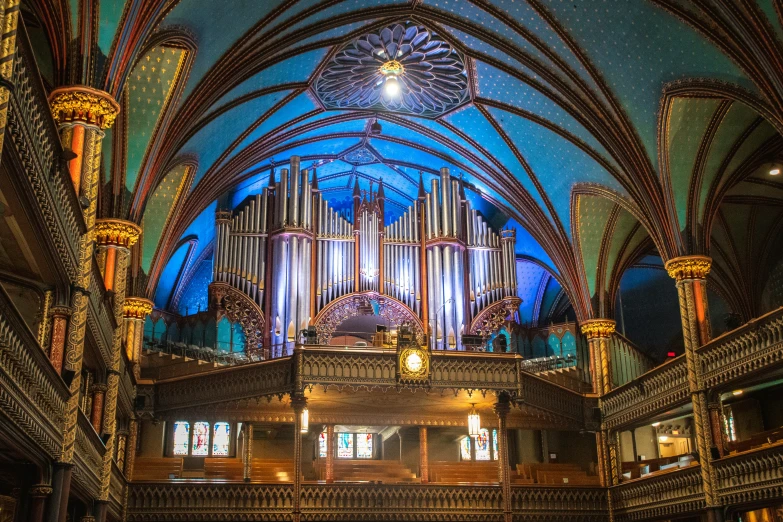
x: 349, y: 502
x: 669, y: 494
x: 756, y: 346
x: 656, y: 391
x: 100, y: 318
x: 254, y: 380
x: 148, y: 501
x: 207, y: 502
x: 88, y: 456
x: 32, y: 395
x: 116, y: 491
x: 559, y: 503
x: 628, y: 361
x: 31, y: 132
x: 751, y: 476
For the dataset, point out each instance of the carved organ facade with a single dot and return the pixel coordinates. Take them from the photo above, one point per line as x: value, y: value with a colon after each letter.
x: 439, y: 266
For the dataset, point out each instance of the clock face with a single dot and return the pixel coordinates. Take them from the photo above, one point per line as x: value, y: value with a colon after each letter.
x: 413, y: 362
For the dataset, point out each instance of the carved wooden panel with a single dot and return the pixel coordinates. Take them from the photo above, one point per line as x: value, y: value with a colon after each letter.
x: 541, y: 503
x: 658, y: 390
x: 354, y: 369
x: 667, y: 495
x: 457, y: 370
x: 751, y: 477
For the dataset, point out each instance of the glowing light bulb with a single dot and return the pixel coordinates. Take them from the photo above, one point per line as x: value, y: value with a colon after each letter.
x: 392, y: 87
x: 774, y: 171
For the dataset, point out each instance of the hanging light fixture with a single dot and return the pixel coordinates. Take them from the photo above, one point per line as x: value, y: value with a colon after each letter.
x: 474, y: 422
x: 391, y: 71
x: 305, y: 420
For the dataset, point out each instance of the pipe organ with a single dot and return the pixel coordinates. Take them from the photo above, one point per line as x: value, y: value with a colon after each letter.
x: 298, y: 258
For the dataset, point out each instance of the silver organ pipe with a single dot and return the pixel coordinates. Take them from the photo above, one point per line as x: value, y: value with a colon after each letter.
x: 469, y: 266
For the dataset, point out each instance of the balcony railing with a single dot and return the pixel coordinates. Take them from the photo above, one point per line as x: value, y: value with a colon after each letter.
x: 33, y: 136
x: 628, y: 361
x: 101, y: 315
x: 750, y: 476
x: 753, y: 347
x: 668, y: 494
x: 32, y: 395
x: 116, y: 491
x: 88, y: 456
x: 361, y: 502
x: 658, y: 390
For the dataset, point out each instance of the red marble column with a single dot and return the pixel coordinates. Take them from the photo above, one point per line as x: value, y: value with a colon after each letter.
x: 96, y: 416
x: 60, y: 315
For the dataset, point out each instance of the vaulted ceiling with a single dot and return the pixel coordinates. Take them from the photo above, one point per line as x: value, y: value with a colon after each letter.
x: 601, y: 133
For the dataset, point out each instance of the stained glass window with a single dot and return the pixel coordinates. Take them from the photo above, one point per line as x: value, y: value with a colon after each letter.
x: 494, y: 444
x: 364, y: 445
x: 322, y: 444
x: 728, y: 420
x: 220, y: 439
x: 482, y: 445
x: 200, y: 445
x: 345, y: 445
x: 464, y: 448
x: 181, y: 437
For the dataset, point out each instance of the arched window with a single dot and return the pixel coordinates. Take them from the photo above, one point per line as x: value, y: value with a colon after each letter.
x: 464, y: 449
x: 200, y: 445
x: 181, y: 437
x: 364, y: 445
x: 221, y: 439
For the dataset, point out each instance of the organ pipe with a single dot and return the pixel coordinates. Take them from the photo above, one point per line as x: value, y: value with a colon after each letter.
x: 293, y: 254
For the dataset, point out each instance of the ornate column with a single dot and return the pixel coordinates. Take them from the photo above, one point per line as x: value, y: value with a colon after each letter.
x: 135, y: 310
x: 96, y: 416
x: 502, y: 407
x: 60, y: 315
x: 247, y: 453
x: 9, y: 15
x: 298, y: 403
x: 114, y: 239
x: 424, y: 464
x: 122, y: 441
x: 38, y: 494
x: 130, y: 448
x: 690, y: 274
x: 330, y: 453
x: 43, y: 326
x: 598, y: 332
x: 81, y: 114
x: 715, y: 407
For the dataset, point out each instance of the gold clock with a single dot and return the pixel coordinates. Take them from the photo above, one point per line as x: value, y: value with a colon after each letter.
x: 414, y: 363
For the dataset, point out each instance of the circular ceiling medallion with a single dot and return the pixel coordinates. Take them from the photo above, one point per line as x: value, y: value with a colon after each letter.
x: 431, y: 73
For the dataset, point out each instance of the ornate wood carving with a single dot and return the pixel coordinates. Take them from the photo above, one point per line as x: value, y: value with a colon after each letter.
x: 239, y: 308
x: 675, y: 493
x: 750, y: 477
x: 493, y: 317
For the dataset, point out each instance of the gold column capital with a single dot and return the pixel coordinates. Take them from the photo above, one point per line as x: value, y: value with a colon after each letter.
x: 688, y: 267
x: 82, y: 104
x: 597, y: 328
x: 116, y: 232
x: 137, y: 308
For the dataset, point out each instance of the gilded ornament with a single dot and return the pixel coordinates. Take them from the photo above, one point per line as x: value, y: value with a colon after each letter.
x: 597, y: 328
x: 689, y: 267
x: 116, y: 232
x: 136, y: 308
x: 83, y: 104
x: 414, y: 363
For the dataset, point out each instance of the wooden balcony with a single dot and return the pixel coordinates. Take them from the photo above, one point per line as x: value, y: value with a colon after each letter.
x: 361, y: 502
x: 32, y: 396
x: 750, y: 476
x: 666, y: 494
x: 88, y: 458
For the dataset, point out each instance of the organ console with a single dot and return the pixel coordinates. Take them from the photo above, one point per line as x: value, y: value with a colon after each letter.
x: 296, y: 258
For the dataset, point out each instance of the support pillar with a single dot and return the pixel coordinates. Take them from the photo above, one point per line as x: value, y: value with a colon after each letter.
x: 122, y: 441
x: 9, y: 18
x: 598, y: 332
x: 298, y: 403
x: 114, y: 239
x: 38, y: 495
x: 60, y: 315
x: 247, y: 453
x: 130, y: 448
x: 96, y: 416
x: 424, y: 463
x: 690, y: 274
x: 330, y: 445
x: 715, y: 408
x: 502, y: 408
x: 81, y: 114
x: 61, y: 488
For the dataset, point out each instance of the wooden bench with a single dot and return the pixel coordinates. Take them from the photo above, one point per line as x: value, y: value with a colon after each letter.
x: 464, y: 472
x: 551, y: 473
x: 157, y: 468
x: 381, y: 471
x: 765, y: 438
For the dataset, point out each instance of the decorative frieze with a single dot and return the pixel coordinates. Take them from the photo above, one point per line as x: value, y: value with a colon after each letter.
x: 675, y: 493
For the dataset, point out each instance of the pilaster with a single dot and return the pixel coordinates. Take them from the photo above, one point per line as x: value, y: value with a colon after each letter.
x: 502, y: 408
x: 247, y: 452
x: 298, y: 403
x: 424, y: 464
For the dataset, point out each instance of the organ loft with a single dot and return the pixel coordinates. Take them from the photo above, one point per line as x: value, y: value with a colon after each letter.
x: 399, y: 260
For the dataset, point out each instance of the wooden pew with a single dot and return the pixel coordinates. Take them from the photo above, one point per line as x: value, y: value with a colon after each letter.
x: 381, y: 471
x: 758, y: 440
x: 157, y: 468
x: 464, y: 472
